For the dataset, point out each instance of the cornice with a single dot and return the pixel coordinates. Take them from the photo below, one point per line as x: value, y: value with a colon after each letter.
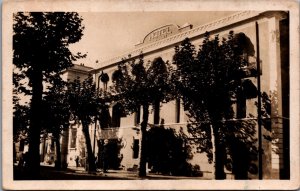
x: 174, y: 39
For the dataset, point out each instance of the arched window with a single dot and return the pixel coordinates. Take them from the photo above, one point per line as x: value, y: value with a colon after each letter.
x: 104, y: 79
x: 248, y: 54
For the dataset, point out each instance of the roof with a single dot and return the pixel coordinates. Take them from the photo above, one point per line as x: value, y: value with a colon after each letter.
x: 80, y: 68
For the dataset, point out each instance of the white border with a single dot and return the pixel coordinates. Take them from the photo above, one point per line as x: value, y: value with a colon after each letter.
x: 147, y: 5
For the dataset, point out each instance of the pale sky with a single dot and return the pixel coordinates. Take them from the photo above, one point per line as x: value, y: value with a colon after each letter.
x: 109, y: 34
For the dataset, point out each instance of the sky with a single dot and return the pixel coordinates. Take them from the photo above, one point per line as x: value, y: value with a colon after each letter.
x: 109, y: 34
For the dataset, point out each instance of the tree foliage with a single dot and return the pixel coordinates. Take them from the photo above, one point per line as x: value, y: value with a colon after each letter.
x: 56, y: 107
x: 210, y: 81
x: 40, y: 42
x: 45, y: 37
x: 137, y: 85
x: 169, y: 152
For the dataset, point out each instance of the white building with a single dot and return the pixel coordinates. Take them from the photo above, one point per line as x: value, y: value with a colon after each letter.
x: 273, y: 27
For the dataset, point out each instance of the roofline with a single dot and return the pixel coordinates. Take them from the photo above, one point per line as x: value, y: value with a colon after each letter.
x: 172, y: 40
x: 78, y: 70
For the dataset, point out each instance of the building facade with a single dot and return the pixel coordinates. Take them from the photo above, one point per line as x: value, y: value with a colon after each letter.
x: 267, y: 34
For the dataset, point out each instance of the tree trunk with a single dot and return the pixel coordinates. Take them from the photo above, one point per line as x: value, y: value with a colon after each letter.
x: 142, y: 171
x: 35, y: 123
x: 58, y: 153
x: 241, y: 159
x: 91, y: 158
x: 64, y: 147
x: 219, y: 156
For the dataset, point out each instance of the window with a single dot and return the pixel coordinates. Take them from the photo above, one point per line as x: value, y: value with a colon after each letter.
x: 247, y: 91
x: 241, y: 105
x: 177, y: 110
x: 104, y: 79
x: 135, y: 148
x: 156, y: 112
x: 137, y: 116
x: 73, y: 138
x: 116, y: 115
x: 247, y: 54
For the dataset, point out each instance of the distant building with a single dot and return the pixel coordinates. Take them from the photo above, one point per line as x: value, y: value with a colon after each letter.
x: 72, y: 140
x: 274, y: 61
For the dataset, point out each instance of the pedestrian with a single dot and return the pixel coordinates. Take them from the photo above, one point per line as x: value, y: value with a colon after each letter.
x: 25, y: 159
x: 77, y: 161
x: 96, y: 161
x: 105, y: 155
x: 21, y: 160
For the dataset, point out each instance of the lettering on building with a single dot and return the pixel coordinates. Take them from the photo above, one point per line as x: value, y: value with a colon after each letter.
x: 161, y: 33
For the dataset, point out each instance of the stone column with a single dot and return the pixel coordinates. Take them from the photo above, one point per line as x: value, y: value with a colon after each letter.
x: 42, y: 148
x: 275, y: 95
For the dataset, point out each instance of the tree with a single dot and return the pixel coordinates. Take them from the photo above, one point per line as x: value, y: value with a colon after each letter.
x: 40, y: 49
x: 142, y: 87
x: 85, y: 104
x: 56, y: 113
x: 208, y: 81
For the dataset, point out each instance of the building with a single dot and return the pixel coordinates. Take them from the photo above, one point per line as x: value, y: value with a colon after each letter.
x: 272, y: 43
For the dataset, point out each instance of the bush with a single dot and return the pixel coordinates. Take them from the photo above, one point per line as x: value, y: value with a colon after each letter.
x: 169, y: 152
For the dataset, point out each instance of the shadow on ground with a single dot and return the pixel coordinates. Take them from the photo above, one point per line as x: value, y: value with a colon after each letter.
x: 50, y: 173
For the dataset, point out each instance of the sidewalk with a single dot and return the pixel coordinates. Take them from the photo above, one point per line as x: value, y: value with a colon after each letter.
x: 123, y: 174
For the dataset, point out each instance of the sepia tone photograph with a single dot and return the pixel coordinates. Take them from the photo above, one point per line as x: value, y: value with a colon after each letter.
x: 150, y: 95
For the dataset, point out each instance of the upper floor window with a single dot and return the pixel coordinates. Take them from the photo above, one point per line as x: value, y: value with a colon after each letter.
x: 73, y: 138
x: 247, y: 53
x: 117, y: 112
x: 104, y: 79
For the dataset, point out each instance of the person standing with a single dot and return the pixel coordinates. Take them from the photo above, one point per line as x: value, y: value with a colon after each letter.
x: 96, y: 162
x: 77, y: 161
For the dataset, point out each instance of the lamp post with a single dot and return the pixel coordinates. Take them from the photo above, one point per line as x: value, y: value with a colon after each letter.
x: 94, y: 143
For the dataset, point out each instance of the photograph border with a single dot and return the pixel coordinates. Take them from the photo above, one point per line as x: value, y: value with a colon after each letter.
x: 9, y: 7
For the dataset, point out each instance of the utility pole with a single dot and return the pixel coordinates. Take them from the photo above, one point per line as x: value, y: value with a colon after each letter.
x: 260, y: 170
